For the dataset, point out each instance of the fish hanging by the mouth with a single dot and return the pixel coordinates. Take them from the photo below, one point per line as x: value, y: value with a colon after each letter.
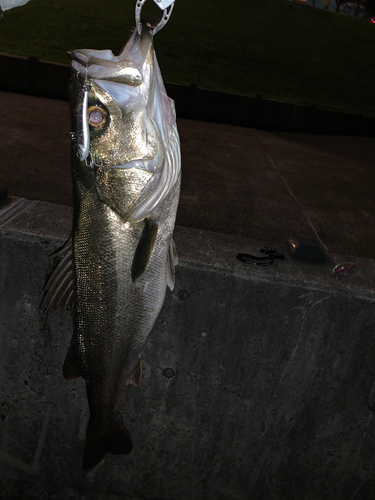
x: 121, y: 256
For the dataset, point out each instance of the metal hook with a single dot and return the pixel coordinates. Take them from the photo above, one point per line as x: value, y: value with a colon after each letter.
x: 91, y: 162
x: 163, y: 21
x: 165, y: 5
x: 138, y: 9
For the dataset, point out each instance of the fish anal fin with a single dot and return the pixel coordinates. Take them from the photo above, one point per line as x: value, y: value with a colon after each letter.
x: 116, y: 441
x: 136, y: 375
x: 71, y: 367
x: 145, y: 247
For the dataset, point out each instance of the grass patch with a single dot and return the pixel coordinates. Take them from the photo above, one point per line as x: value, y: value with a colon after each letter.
x: 275, y: 48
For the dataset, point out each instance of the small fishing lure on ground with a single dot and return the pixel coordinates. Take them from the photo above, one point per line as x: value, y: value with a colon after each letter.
x: 344, y: 268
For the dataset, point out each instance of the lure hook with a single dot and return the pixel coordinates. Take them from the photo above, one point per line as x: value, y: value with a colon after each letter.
x: 165, y: 5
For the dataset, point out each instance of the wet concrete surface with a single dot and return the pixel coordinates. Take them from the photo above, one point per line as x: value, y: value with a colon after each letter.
x: 239, y: 181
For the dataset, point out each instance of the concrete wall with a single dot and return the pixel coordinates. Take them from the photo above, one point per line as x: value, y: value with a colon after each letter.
x: 274, y: 369
x: 45, y: 79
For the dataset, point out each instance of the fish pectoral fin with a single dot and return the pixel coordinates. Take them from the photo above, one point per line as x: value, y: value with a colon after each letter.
x: 59, y: 288
x: 117, y: 441
x: 136, y: 375
x: 71, y: 367
x: 145, y: 247
x: 172, y: 260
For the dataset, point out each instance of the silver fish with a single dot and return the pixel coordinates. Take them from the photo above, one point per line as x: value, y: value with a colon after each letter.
x: 121, y: 256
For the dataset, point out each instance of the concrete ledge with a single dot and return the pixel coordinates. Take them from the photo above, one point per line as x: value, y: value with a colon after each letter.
x: 273, y: 378
x: 45, y: 79
x: 29, y: 75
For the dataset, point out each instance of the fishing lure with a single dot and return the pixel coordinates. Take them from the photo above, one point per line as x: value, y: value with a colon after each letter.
x: 344, y: 268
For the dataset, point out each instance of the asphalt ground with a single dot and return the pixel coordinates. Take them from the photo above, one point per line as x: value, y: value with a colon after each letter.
x: 261, y: 185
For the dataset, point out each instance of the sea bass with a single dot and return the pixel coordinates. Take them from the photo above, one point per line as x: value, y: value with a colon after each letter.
x: 121, y: 256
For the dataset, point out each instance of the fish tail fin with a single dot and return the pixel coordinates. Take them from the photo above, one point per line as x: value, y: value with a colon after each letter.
x: 117, y: 441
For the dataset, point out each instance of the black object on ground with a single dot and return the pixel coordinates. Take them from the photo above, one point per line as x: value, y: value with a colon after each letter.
x: 306, y: 249
x: 270, y: 255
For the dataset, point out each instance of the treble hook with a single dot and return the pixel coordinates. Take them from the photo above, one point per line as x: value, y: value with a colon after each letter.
x: 165, y: 5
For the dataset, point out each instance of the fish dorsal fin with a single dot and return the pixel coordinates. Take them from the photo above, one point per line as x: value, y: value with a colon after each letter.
x: 59, y: 288
x: 144, y: 249
x: 172, y: 260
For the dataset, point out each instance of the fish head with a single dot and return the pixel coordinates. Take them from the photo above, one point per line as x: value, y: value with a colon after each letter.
x: 122, y: 115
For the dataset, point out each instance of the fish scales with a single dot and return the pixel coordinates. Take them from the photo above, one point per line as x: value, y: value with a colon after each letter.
x: 114, y: 315
x: 126, y: 184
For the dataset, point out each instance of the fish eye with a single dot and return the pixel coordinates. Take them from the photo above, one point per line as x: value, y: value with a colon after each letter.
x: 97, y: 117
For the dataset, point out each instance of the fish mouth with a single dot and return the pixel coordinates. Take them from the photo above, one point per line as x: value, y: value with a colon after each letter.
x: 126, y: 68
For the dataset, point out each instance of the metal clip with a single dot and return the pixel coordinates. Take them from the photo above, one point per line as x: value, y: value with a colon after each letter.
x: 165, y: 5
